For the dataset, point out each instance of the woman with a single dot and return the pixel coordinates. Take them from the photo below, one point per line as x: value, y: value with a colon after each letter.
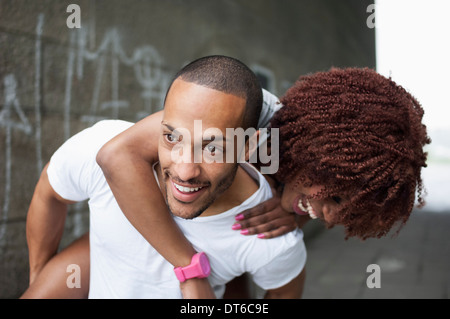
x: 360, y: 137
x: 351, y: 153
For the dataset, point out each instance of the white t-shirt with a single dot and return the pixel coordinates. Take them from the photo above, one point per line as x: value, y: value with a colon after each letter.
x: 271, y: 104
x: 125, y: 265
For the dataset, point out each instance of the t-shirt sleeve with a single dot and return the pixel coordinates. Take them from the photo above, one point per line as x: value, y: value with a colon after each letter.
x: 271, y: 104
x: 73, y: 166
x: 283, y: 268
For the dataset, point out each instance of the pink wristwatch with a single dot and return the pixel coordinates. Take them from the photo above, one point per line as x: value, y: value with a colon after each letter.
x: 199, y: 268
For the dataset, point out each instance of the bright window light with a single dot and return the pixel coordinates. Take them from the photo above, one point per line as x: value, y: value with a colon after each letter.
x: 413, y: 47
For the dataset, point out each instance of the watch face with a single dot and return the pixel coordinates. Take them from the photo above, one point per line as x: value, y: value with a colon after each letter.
x: 204, y: 263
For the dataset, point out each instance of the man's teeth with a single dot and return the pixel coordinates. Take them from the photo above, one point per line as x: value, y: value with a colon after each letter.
x: 187, y: 189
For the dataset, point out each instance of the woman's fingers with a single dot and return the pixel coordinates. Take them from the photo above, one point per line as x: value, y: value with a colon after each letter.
x: 272, y: 228
x: 267, y: 220
x: 259, y: 209
x: 276, y: 232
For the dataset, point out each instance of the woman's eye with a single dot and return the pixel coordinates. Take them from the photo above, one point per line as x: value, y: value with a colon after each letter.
x: 337, y: 199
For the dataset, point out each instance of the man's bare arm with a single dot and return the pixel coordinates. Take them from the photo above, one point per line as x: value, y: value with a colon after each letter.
x: 45, y: 224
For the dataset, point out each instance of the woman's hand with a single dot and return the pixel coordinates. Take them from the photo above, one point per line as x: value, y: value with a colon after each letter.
x: 267, y: 220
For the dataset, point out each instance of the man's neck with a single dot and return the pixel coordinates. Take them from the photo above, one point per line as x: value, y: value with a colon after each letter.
x: 242, y: 188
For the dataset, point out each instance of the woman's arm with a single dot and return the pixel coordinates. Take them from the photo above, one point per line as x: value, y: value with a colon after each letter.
x: 126, y: 162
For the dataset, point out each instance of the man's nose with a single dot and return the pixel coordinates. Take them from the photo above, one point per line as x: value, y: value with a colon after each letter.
x: 187, y: 171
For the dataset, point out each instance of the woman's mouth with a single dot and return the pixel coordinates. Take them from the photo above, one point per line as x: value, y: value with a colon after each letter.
x: 302, y: 206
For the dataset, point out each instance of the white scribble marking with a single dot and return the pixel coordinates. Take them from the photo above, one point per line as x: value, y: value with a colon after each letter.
x: 37, y: 92
x: 145, y: 61
x: 9, y: 122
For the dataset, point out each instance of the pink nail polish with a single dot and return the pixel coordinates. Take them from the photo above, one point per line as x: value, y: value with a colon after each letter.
x: 236, y: 226
x: 239, y: 217
x: 261, y: 236
x: 244, y: 232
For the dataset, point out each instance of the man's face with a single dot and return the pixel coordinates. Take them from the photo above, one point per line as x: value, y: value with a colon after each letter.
x: 193, y: 184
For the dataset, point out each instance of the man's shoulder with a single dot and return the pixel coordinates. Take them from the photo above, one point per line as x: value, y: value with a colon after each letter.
x: 111, y: 126
x: 248, y: 182
x: 255, y: 178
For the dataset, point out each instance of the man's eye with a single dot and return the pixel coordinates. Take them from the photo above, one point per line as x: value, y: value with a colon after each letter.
x: 213, y: 149
x: 171, y: 138
x: 337, y: 199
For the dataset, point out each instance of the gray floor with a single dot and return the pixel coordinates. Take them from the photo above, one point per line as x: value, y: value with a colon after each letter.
x: 415, y: 264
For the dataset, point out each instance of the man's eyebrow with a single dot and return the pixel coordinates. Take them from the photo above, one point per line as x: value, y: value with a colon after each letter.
x: 209, y: 138
x: 168, y: 126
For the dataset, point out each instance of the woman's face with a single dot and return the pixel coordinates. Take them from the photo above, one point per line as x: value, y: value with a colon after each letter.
x: 294, y: 199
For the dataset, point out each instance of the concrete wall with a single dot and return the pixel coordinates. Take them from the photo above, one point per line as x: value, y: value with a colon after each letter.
x: 55, y: 81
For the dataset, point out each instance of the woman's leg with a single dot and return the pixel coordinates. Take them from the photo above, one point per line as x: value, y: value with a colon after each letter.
x: 53, y: 281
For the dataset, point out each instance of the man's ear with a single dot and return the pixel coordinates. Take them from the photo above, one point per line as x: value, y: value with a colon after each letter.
x: 251, y: 147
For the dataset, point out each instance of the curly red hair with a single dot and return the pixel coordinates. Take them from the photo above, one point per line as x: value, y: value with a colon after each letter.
x: 361, y: 136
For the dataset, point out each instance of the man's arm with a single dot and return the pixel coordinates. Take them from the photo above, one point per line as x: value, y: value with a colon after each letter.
x: 126, y: 162
x: 292, y: 290
x: 45, y: 224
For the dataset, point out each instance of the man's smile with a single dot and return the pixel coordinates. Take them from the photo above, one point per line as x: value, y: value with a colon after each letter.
x: 186, y: 194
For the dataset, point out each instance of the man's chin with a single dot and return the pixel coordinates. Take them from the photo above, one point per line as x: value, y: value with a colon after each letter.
x: 184, y: 212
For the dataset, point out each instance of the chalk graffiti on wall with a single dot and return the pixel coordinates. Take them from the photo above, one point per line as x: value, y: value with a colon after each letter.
x: 106, y: 62
x: 148, y: 68
x: 145, y: 61
x: 12, y: 118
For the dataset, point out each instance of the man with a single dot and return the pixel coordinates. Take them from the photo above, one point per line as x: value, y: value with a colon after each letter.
x: 222, y: 93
